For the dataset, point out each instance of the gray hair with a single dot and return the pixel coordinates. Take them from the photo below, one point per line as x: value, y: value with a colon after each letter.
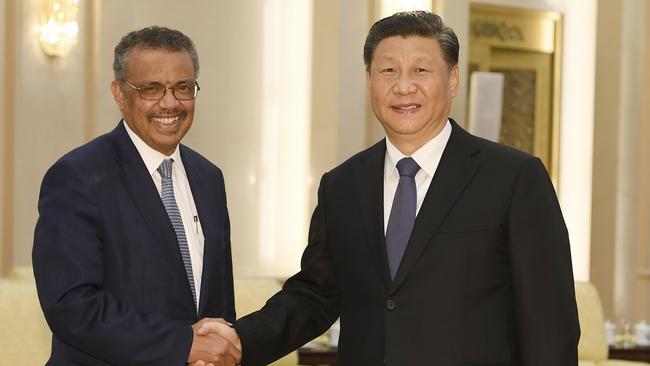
x: 413, y: 23
x: 153, y: 37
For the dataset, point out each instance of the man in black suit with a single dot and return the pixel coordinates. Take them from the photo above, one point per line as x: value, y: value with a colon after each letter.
x: 434, y: 247
x: 132, y: 244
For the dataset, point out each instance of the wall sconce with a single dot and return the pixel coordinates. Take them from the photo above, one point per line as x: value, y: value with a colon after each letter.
x: 59, y: 26
x: 390, y: 7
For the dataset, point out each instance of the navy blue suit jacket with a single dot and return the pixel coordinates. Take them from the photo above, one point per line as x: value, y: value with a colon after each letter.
x: 108, y: 269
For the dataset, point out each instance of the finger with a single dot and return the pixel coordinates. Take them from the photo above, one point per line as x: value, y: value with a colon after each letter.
x: 212, y: 320
x: 230, y: 353
x: 234, y: 356
x: 235, y: 352
x: 232, y: 349
x: 223, y: 321
x: 217, y: 327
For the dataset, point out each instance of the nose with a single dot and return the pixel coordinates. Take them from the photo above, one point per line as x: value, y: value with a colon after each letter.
x: 168, y: 100
x: 404, y: 85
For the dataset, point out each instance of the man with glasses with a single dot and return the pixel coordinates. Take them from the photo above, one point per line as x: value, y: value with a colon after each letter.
x: 132, y: 244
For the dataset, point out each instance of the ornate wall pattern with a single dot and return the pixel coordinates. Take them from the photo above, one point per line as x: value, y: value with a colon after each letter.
x: 518, y: 123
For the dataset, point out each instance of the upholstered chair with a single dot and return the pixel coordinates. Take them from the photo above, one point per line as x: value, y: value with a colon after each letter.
x: 250, y: 295
x: 593, y: 349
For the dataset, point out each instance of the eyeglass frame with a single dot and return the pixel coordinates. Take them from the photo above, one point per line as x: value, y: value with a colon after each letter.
x: 139, y: 90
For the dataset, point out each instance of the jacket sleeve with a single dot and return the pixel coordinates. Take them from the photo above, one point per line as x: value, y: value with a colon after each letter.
x: 542, y: 280
x: 306, y: 306
x: 68, y: 267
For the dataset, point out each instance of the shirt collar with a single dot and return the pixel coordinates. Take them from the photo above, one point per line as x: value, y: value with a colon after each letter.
x: 152, y: 158
x: 427, y: 156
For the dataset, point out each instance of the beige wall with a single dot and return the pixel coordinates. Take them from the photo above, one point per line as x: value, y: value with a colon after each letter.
x: 621, y: 203
x: 456, y: 14
x: 352, y: 113
x: 325, y: 92
x: 606, y: 144
x: 643, y: 285
x: 48, y: 119
x: 4, y: 249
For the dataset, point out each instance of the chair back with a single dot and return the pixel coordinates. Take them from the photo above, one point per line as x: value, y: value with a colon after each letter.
x: 593, y: 342
x: 250, y: 295
x: 25, y: 338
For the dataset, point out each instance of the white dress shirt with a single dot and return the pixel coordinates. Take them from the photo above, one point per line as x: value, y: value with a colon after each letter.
x: 427, y: 157
x: 184, y: 200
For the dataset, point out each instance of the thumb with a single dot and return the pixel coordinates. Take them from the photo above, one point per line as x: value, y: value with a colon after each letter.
x: 212, y: 327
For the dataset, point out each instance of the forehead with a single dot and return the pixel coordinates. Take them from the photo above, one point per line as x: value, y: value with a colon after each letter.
x: 410, y: 47
x: 159, y: 64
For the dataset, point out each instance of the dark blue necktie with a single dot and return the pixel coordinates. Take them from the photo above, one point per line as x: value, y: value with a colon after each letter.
x: 402, y: 214
x: 169, y: 201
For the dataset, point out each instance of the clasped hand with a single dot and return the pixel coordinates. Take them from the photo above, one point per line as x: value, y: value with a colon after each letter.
x: 215, y: 343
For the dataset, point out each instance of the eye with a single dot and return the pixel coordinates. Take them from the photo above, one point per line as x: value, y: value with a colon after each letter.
x: 420, y: 69
x: 151, y: 89
x: 184, y: 88
x: 387, y: 70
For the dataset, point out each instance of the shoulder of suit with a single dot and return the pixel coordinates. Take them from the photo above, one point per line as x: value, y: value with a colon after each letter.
x: 92, y: 154
x: 492, y: 150
x: 85, y: 165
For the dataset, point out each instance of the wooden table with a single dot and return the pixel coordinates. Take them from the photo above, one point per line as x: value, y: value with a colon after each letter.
x: 637, y: 353
x: 317, y: 356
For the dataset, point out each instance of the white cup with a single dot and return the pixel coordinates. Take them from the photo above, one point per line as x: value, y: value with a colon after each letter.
x: 642, y: 333
x: 610, y: 331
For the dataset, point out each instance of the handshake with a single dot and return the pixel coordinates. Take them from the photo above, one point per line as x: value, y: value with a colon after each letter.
x: 214, y: 343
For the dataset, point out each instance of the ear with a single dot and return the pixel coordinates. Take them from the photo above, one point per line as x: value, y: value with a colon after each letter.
x: 454, y: 80
x: 118, y: 94
x: 368, y: 78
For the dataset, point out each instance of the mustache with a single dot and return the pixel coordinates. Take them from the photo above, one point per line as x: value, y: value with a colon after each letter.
x: 167, y: 113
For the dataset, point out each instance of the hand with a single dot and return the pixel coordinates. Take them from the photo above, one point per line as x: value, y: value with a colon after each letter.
x: 221, y: 327
x: 213, y: 349
x: 200, y: 363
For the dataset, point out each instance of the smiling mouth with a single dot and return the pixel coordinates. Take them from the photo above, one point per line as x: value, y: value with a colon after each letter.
x: 406, y: 108
x: 165, y: 121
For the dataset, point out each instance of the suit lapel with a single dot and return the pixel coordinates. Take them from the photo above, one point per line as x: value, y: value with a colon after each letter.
x: 208, y: 215
x: 144, y: 195
x: 369, y: 185
x: 455, y: 170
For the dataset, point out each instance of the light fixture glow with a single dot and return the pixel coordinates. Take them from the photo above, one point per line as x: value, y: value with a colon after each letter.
x: 59, y: 26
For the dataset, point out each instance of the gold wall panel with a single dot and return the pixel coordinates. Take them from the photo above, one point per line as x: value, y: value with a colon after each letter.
x: 7, y: 224
x: 513, y: 28
x: 525, y: 46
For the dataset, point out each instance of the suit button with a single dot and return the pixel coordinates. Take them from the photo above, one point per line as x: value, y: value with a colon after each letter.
x: 390, y: 304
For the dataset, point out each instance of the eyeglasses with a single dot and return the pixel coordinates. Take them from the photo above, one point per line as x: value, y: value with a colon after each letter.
x: 155, y: 91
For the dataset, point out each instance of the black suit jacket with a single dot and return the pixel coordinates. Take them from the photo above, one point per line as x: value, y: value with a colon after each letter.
x: 108, y: 269
x: 486, y: 278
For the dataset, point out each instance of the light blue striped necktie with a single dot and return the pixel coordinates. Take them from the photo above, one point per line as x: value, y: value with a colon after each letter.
x: 169, y: 200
